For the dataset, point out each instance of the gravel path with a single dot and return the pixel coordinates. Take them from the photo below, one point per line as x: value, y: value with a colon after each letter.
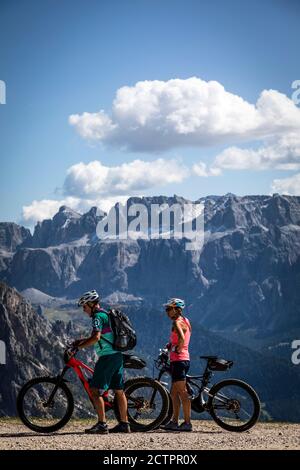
x: 206, y: 435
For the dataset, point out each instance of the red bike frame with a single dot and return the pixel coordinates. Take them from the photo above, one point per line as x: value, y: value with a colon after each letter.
x: 77, y: 366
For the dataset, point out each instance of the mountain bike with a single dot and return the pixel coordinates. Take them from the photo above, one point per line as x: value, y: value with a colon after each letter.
x: 233, y: 404
x: 46, y: 404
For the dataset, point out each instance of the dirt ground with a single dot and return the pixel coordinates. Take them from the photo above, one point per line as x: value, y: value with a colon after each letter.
x: 206, y: 435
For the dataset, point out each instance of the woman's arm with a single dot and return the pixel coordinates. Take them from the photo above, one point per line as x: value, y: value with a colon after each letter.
x: 181, y: 330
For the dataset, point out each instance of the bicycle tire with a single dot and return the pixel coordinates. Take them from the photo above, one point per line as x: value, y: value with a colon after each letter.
x: 134, y: 384
x: 239, y: 383
x: 51, y: 428
x: 170, y: 410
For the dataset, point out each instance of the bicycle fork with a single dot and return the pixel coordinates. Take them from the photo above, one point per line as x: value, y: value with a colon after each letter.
x: 59, y: 380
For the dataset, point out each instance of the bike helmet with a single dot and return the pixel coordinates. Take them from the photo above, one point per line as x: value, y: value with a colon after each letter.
x: 90, y: 296
x: 174, y: 302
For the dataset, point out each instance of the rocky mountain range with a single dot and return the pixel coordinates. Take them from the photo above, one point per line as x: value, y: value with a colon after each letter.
x: 242, y: 289
x: 246, y: 275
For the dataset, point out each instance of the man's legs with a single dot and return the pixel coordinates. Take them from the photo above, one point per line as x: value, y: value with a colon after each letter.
x: 123, y: 425
x: 117, y: 385
x: 122, y: 405
x: 98, y: 384
x: 98, y: 404
x: 101, y: 426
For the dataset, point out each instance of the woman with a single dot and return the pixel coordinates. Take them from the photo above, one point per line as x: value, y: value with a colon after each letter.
x: 180, y: 364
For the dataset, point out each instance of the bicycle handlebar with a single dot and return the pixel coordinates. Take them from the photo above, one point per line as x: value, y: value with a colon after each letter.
x: 69, y: 352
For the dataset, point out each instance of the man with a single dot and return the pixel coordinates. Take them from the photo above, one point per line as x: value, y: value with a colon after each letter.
x: 108, y: 373
x: 180, y: 364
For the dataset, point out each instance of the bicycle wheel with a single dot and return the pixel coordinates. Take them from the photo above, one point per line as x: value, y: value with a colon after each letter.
x: 148, y: 403
x: 39, y: 413
x: 234, y: 405
x: 170, y: 411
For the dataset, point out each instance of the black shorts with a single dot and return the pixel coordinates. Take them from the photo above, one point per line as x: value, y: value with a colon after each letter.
x: 179, y: 369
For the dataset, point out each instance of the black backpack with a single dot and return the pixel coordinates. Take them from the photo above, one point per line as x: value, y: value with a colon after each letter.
x: 124, y: 334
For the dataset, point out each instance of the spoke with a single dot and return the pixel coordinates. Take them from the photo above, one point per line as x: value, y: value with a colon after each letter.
x: 236, y: 406
x: 246, y: 413
x: 39, y: 409
x: 145, y: 405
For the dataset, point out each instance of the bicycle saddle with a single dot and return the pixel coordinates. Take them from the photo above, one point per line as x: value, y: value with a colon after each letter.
x: 208, y: 357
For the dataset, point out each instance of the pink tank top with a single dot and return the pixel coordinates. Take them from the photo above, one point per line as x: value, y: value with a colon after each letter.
x: 184, y: 355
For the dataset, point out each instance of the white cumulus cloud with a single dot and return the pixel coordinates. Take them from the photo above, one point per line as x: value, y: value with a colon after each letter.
x: 159, y: 115
x: 93, y: 126
x: 39, y: 210
x: 290, y: 186
x: 94, y: 184
x: 94, y: 178
x: 282, y: 153
x: 47, y: 208
x: 201, y: 169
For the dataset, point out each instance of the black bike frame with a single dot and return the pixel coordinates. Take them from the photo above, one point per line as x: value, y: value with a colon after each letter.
x: 202, y: 387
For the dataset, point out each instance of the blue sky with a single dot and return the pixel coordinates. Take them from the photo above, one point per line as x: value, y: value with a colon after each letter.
x: 67, y: 57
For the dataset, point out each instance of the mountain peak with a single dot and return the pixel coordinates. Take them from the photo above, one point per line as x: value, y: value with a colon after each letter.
x: 67, y: 210
x: 12, y: 235
x: 62, y: 208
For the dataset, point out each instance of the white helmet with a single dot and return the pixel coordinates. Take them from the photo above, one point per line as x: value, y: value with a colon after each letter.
x: 90, y: 296
x: 174, y: 302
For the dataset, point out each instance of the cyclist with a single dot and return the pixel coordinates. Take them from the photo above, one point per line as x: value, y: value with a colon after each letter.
x: 108, y: 373
x: 180, y: 363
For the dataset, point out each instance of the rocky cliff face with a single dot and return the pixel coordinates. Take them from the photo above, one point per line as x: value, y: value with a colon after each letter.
x: 29, y: 341
x: 51, y: 269
x: 252, y: 264
x: 12, y: 235
x: 66, y: 226
x: 33, y: 345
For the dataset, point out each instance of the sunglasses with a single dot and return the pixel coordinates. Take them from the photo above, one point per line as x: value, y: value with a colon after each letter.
x: 88, y: 304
